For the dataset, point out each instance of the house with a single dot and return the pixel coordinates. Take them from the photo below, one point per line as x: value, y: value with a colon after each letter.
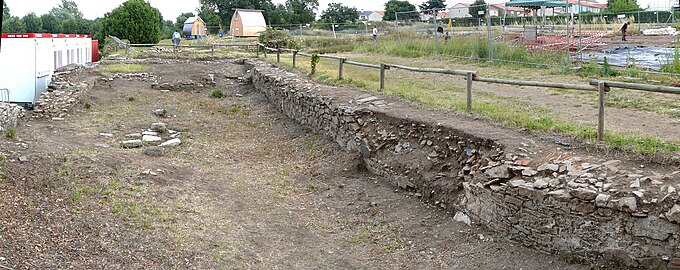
x: 460, y: 10
x: 500, y: 9
x: 586, y: 6
x: 194, y: 27
x: 247, y: 23
x: 363, y: 16
x: 372, y: 16
x: 426, y: 16
x: 376, y: 16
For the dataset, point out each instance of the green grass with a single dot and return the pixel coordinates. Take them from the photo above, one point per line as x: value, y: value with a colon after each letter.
x: 508, y: 111
x: 217, y: 93
x: 124, y: 68
x: 11, y: 133
x: 474, y: 47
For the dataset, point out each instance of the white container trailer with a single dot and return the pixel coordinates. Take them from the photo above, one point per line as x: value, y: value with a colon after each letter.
x: 28, y: 61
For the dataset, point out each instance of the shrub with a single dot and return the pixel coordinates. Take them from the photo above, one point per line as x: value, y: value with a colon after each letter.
x: 87, y: 105
x: 11, y: 133
x: 217, y: 93
x: 277, y: 39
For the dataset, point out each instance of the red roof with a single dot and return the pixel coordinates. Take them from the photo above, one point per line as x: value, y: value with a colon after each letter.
x: 380, y: 12
x: 588, y: 4
x: 502, y: 6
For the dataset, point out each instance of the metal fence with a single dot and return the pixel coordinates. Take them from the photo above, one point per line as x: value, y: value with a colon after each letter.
x: 564, y: 40
x: 599, y: 86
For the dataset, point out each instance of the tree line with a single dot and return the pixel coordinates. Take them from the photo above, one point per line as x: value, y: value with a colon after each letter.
x: 139, y: 22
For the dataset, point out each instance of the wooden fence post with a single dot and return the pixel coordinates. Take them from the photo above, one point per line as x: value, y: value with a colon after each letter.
x: 294, y: 57
x: 257, y: 50
x: 602, y: 88
x: 341, y: 62
x: 382, y: 76
x: 469, y: 78
x: 127, y: 49
x: 264, y: 50
x: 278, y: 55
x: 212, y: 51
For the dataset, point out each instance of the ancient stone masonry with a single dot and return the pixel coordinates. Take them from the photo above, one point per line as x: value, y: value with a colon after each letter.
x: 9, y: 115
x: 62, y: 94
x: 187, y: 85
x: 526, y: 189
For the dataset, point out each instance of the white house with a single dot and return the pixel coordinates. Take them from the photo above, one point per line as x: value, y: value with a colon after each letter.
x: 460, y: 10
x: 363, y: 16
x: 376, y: 16
x: 499, y: 9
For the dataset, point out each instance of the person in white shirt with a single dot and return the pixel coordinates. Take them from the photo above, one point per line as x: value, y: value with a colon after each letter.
x: 375, y: 34
x: 176, y: 37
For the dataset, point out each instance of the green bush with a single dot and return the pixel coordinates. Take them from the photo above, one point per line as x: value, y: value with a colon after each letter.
x: 135, y: 20
x: 278, y: 39
x: 217, y: 93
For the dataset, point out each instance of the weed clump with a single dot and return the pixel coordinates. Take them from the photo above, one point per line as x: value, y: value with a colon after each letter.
x: 217, y: 93
x: 11, y: 133
x: 87, y: 105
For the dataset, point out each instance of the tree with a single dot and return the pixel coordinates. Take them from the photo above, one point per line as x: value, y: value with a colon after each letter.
x: 33, y: 23
x: 432, y: 4
x: 179, y: 22
x: 393, y: 6
x: 622, y: 6
x: 50, y: 23
x: 66, y: 10
x: 5, y: 11
x: 301, y: 11
x: 339, y: 13
x: 279, y: 15
x: 476, y: 7
x: 69, y: 26
x: 13, y: 25
x: 134, y: 20
x: 224, y: 8
x: 210, y: 17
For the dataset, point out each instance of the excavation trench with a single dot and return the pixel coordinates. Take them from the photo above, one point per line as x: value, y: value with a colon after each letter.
x: 529, y: 188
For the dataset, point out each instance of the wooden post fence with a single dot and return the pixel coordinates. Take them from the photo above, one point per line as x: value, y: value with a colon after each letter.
x: 383, y: 67
x: 602, y: 88
x: 469, y: 77
x: 294, y: 57
x: 341, y: 61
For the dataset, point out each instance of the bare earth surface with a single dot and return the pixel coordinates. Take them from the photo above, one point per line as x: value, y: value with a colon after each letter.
x: 247, y: 189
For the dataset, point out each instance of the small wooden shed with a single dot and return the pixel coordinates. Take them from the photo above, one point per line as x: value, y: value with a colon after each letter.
x: 247, y: 23
x: 194, y: 27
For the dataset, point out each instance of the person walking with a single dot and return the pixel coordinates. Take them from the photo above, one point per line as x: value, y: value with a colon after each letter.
x: 440, y: 30
x: 176, y: 37
x: 375, y: 34
x: 624, y: 28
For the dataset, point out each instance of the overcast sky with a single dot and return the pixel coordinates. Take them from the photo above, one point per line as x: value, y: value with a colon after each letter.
x: 170, y: 9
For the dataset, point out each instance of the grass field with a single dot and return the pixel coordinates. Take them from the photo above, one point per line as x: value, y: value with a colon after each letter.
x: 514, y: 112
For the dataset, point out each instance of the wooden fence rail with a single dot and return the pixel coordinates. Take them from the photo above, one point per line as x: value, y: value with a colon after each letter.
x: 599, y: 86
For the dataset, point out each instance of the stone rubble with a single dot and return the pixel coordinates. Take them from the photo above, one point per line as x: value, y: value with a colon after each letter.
x: 10, y: 115
x: 62, y: 94
x: 153, y: 138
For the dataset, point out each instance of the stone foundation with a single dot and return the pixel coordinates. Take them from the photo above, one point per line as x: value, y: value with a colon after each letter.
x: 525, y: 189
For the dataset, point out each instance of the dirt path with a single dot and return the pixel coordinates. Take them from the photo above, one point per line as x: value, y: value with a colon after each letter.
x: 247, y: 189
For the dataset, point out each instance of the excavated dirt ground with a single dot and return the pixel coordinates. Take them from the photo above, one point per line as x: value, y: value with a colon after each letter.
x: 247, y: 189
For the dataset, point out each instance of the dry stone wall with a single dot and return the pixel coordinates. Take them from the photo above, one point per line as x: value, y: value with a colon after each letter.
x: 530, y: 191
x: 9, y: 115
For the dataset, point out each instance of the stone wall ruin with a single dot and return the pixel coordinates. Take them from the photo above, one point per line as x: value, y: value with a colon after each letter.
x: 525, y: 189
